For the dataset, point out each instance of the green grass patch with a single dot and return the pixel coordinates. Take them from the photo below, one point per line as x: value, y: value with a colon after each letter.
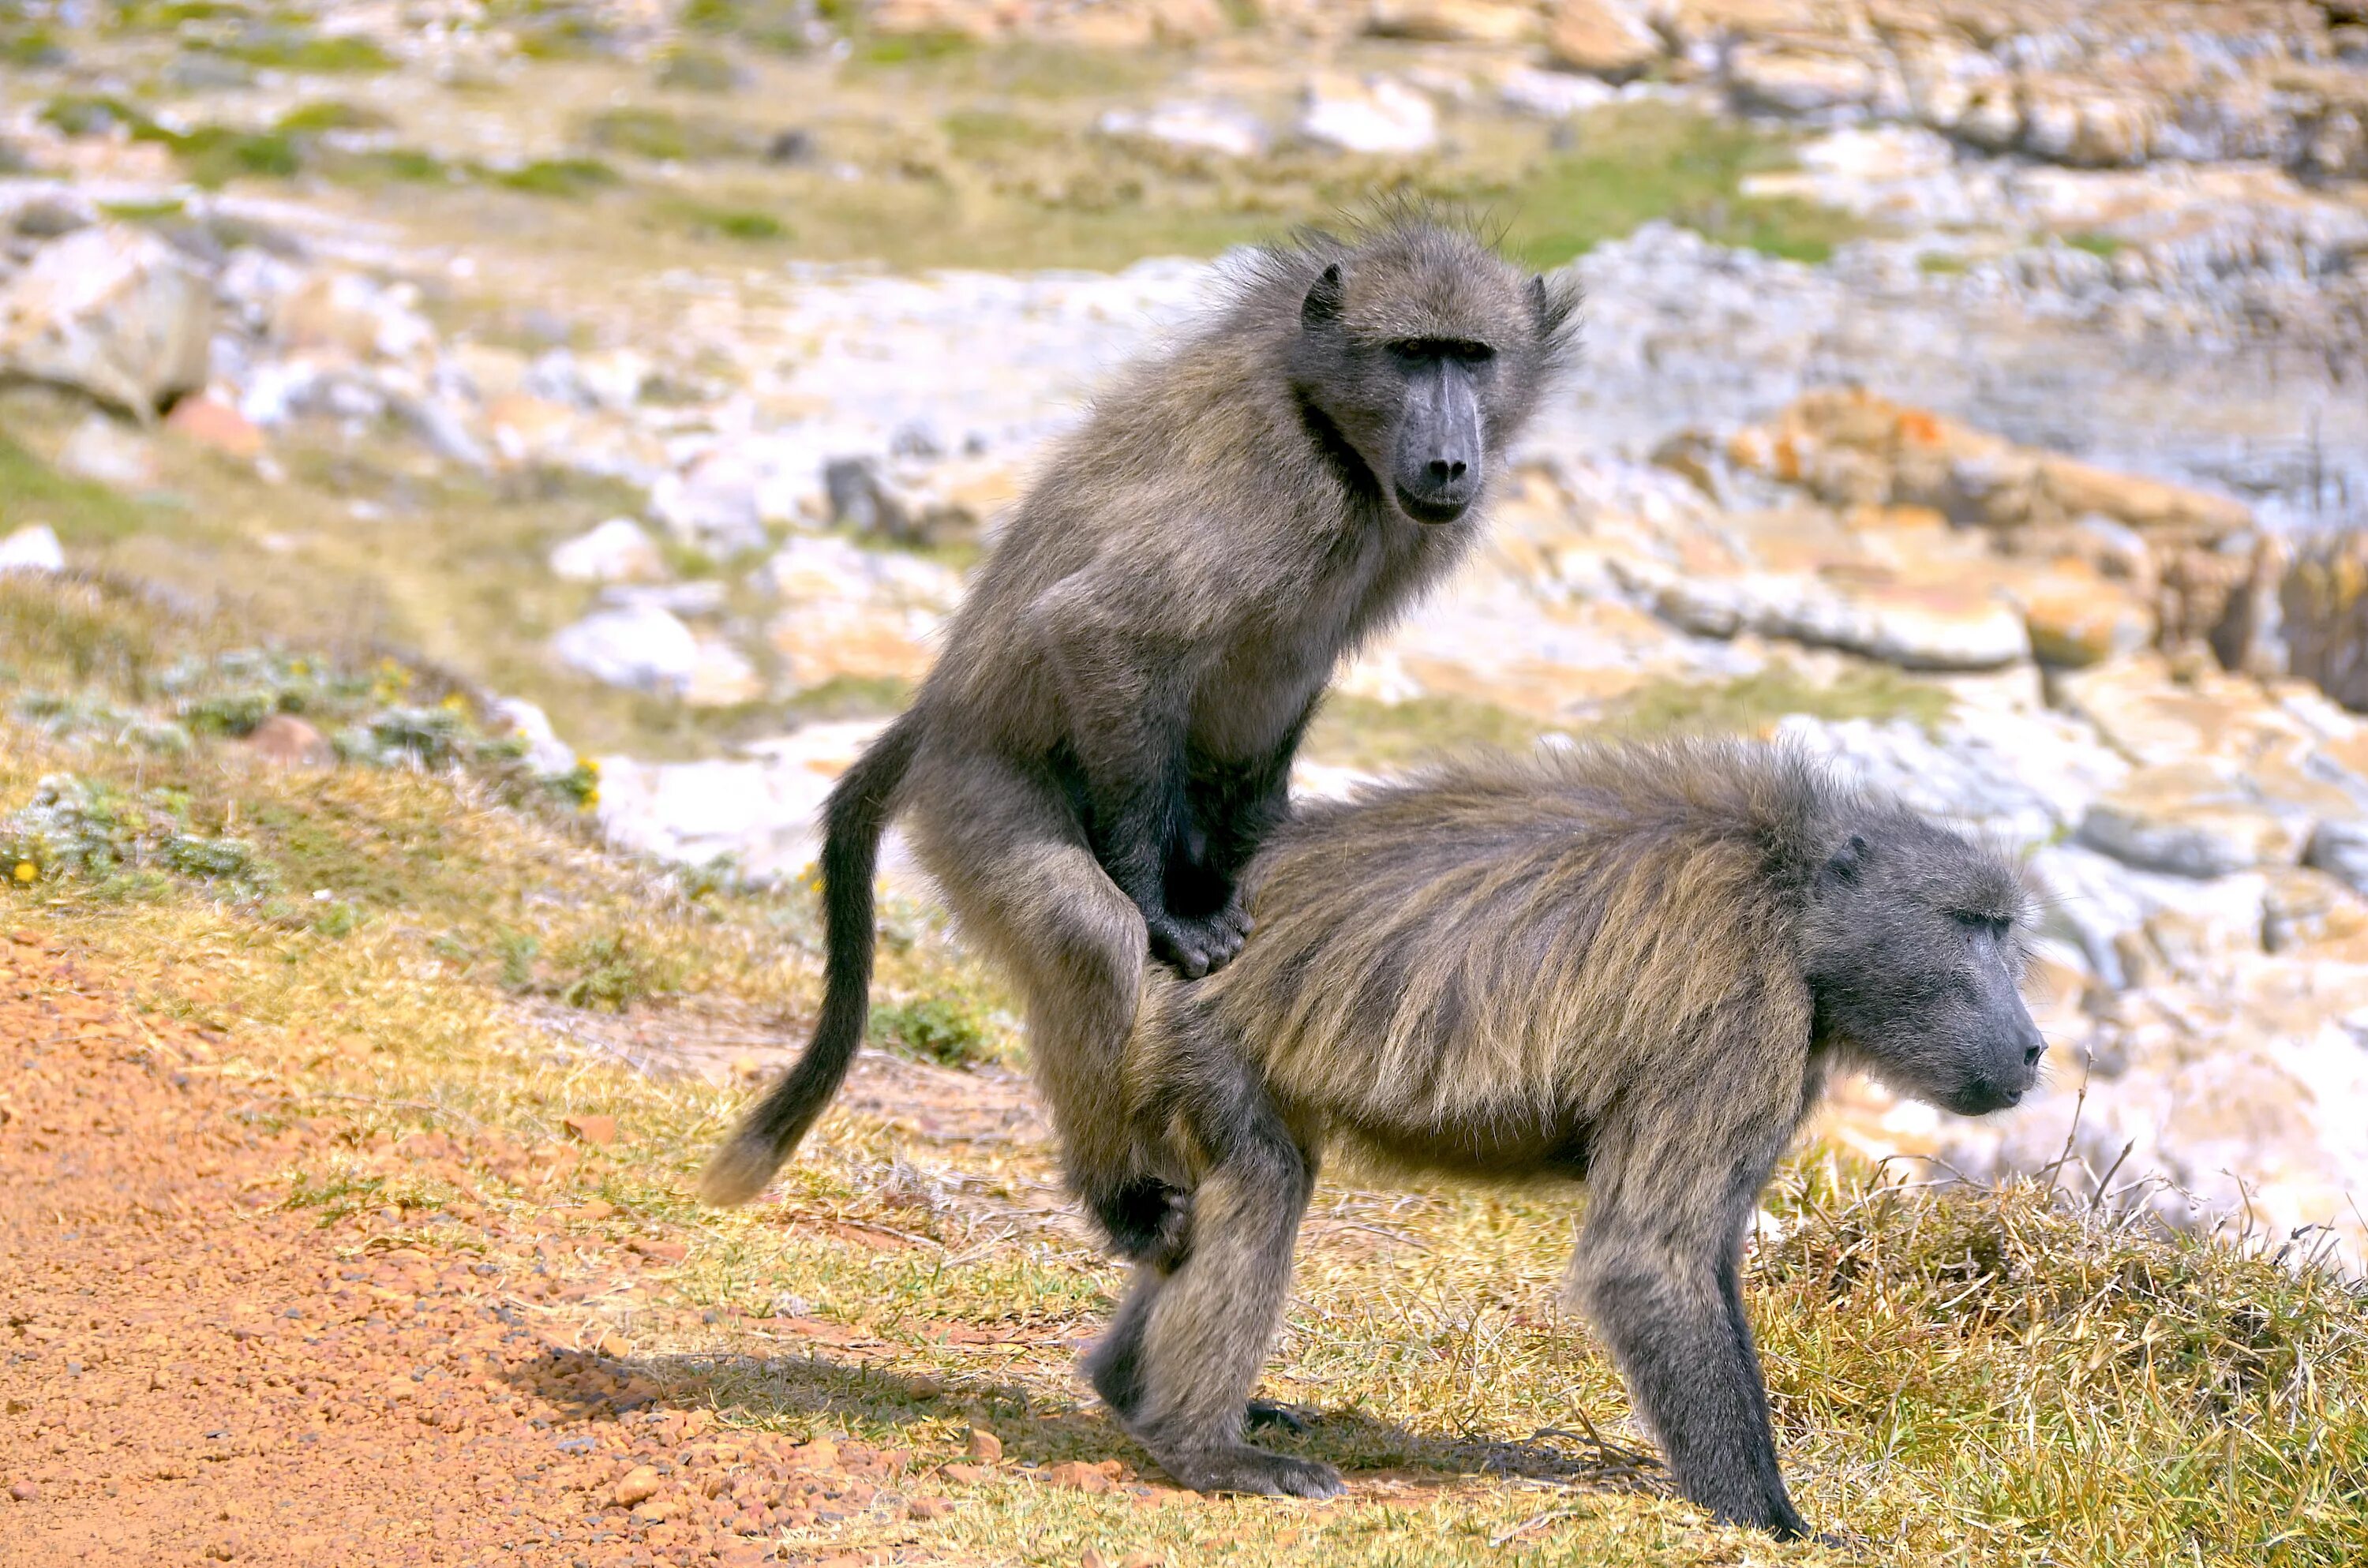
x: 294, y: 49
x: 30, y: 48
x: 2095, y: 243
x: 1752, y: 703
x: 1636, y: 163
x: 81, y: 511
x: 143, y: 211
x: 329, y: 113
x: 778, y: 25
x: 567, y: 178
x: 907, y: 49
x: 1360, y: 731
x: 664, y: 136
x: 943, y: 1029
x: 689, y: 68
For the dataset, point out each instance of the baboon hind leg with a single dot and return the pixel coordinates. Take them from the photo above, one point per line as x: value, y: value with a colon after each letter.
x: 1007, y: 849
x: 1180, y: 1362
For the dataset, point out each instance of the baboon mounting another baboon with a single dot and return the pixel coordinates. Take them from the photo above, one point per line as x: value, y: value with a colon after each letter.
x: 1106, y: 735
x: 1634, y: 964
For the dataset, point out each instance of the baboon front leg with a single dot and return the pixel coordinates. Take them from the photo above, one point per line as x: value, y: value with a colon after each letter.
x: 1667, y: 1300
x: 1187, y: 1351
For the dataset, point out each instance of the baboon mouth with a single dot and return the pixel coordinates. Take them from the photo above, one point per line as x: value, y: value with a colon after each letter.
x: 1423, y: 511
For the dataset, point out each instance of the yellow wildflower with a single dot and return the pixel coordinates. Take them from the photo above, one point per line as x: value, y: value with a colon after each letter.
x: 26, y: 871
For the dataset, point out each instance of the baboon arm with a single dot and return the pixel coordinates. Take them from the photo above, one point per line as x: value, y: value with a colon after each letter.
x: 1126, y: 693
x: 1658, y: 1269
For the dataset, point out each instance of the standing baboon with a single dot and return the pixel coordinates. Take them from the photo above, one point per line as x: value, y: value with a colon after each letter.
x: 1108, y: 734
x: 1634, y: 964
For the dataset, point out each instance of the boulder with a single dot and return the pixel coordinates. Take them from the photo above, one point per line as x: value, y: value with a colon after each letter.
x: 1603, y: 38
x: 638, y: 645
x: 716, y: 506
x: 1194, y: 125
x: 2076, y: 617
x: 616, y: 551
x: 32, y: 549
x: 865, y: 498
x: 1553, y: 95
x: 720, y: 676
x: 113, y: 312
x: 285, y: 740
x: 1933, y: 625
x: 1453, y: 21
x: 1783, y: 79
x: 1375, y: 115
x: 352, y: 316
x: 2195, y: 819
x: 215, y: 424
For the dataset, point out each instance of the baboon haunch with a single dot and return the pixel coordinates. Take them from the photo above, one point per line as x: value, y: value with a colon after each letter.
x: 1108, y: 734
x: 1634, y: 964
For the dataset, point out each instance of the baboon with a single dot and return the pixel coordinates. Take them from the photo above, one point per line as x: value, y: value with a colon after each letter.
x: 1634, y: 964
x: 1106, y: 734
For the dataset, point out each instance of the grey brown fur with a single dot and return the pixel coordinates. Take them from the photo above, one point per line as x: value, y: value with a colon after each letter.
x: 1634, y: 964
x: 1106, y: 736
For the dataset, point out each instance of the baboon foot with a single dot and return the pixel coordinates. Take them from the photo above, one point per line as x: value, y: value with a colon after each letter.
x: 1193, y: 947
x: 1241, y: 1468
x: 1265, y: 1415
x: 1147, y: 1220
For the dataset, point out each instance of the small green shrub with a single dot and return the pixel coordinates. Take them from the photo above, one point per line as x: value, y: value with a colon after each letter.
x: 936, y: 1028
x: 570, y: 178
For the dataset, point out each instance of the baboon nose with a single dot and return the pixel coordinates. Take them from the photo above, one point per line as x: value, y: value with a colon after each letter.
x: 1446, y: 470
x: 2033, y: 1051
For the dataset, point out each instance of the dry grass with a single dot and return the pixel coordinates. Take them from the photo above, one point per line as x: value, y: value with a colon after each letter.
x: 1959, y: 1377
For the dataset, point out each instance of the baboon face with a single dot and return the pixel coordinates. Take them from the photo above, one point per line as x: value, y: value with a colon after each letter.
x: 1913, y: 949
x: 1423, y: 357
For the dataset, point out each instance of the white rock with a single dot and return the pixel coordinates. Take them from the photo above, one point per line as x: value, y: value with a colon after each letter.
x: 1202, y: 125
x: 545, y: 752
x: 821, y: 569
x: 102, y: 449
x: 1910, y: 630
x: 33, y: 549
x: 113, y: 310
x: 761, y: 813
x: 641, y: 646
x: 616, y: 551
x: 716, y: 506
x: 1554, y: 95
x: 720, y: 676
x: 1375, y: 115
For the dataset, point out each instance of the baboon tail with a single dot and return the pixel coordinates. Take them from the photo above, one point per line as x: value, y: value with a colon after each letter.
x: 853, y: 820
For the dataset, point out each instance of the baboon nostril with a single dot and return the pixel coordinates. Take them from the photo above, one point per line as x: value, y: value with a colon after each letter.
x: 2033, y: 1051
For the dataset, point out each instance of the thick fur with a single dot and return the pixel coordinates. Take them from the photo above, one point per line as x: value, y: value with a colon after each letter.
x: 1106, y: 737
x: 1631, y: 964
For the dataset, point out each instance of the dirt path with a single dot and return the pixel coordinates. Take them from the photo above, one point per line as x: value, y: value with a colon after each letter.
x: 193, y: 1372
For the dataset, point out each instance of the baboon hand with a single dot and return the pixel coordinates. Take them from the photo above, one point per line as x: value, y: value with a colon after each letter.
x: 1147, y: 1220
x: 1194, y: 947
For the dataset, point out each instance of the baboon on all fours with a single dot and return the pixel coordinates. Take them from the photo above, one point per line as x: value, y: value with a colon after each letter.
x: 1631, y: 963
x: 1108, y: 733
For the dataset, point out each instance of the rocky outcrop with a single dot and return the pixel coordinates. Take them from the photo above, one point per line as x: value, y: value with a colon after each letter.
x: 110, y: 310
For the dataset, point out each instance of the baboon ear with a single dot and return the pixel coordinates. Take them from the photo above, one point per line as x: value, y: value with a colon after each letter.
x: 1322, y: 306
x: 1848, y: 862
x: 1552, y: 306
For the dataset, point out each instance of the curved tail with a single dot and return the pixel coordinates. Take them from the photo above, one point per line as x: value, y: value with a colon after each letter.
x: 853, y: 820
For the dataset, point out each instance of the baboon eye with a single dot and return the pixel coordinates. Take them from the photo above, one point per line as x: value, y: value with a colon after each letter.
x: 1416, y: 350
x: 1995, y: 925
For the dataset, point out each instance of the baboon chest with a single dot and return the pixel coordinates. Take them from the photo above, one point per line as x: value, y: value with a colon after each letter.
x: 1252, y: 696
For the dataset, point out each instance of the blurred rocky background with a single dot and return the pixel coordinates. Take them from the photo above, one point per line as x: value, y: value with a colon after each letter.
x: 1975, y: 391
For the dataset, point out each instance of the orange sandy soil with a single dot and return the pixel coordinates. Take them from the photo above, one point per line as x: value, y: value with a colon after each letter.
x: 192, y: 1372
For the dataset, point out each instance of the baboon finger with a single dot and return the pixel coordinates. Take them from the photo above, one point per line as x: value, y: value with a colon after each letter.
x: 1265, y: 1414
